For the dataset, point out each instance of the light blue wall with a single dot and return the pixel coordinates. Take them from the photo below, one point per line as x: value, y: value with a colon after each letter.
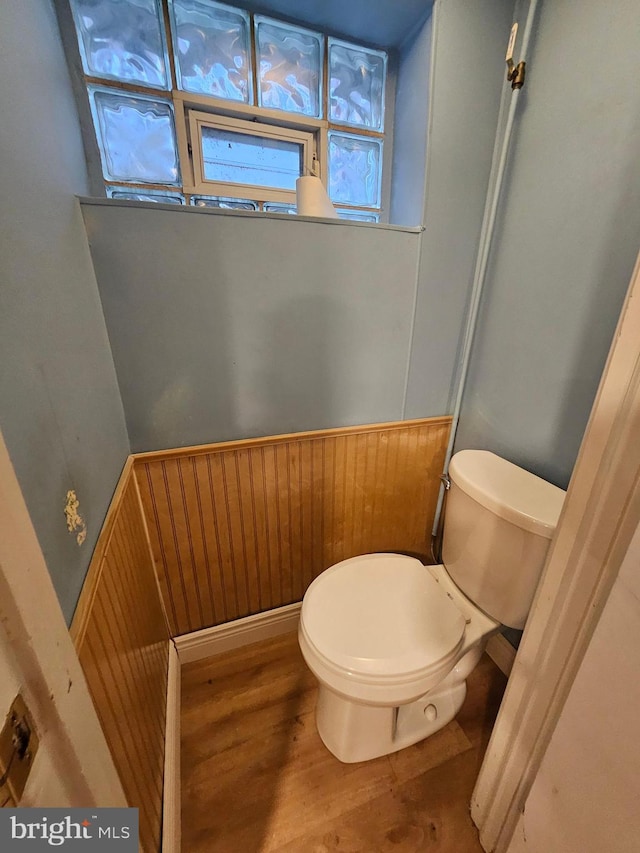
x: 411, y: 121
x: 566, y: 240
x: 227, y: 326
x: 467, y: 78
x: 385, y: 23
x: 60, y: 409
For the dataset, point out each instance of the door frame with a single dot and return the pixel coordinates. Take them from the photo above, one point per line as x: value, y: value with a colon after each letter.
x: 46, y: 663
x: 598, y: 520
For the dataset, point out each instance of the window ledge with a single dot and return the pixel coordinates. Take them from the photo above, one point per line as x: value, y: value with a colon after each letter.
x: 212, y: 211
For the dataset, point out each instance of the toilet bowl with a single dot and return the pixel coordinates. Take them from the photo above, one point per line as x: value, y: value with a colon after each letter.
x: 392, y: 641
x: 393, y: 670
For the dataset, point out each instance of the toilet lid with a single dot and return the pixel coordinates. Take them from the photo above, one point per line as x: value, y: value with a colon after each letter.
x: 381, y: 615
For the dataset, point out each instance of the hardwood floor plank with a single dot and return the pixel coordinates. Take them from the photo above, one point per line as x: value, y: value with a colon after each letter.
x: 257, y: 778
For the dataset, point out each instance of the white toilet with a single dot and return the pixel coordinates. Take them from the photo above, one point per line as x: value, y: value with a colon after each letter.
x: 392, y: 641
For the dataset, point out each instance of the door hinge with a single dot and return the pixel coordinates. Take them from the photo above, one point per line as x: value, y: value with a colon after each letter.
x: 516, y: 74
x: 18, y: 747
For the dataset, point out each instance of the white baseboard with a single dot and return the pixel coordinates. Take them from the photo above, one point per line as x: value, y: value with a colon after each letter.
x: 501, y: 653
x: 171, y: 834
x: 241, y: 632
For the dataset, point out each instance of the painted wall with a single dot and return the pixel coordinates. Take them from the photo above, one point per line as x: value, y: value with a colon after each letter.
x: 227, y: 326
x: 385, y: 23
x: 60, y: 409
x: 585, y: 796
x: 566, y: 240
x: 467, y: 73
x: 411, y: 122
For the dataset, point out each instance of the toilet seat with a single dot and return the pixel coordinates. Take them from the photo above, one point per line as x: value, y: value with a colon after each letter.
x: 380, y: 628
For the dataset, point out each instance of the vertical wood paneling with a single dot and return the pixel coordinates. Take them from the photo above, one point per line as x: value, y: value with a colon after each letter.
x: 242, y: 527
x: 121, y: 636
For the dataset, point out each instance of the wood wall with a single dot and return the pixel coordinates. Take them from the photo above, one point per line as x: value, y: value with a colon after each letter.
x: 242, y: 527
x: 122, y: 639
x: 199, y: 536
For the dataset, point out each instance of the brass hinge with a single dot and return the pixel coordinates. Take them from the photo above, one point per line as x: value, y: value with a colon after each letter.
x: 18, y: 747
x: 516, y: 74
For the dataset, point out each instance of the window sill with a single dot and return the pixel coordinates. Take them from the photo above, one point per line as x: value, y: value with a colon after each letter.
x: 252, y: 214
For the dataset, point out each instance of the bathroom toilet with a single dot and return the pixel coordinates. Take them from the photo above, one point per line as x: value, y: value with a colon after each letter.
x: 392, y: 641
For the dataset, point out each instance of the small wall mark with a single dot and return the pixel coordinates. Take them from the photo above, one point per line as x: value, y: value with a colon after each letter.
x: 75, y: 522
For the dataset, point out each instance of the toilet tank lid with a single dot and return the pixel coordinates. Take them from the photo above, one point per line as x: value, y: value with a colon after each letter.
x: 510, y: 492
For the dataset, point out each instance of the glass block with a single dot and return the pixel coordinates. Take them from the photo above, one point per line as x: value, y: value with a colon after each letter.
x: 274, y: 207
x: 356, y: 85
x: 157, y: 196
x: 290, y: 67
x: 242, y: 158
x: 212, y: 46
x: 224, y: 203
x: 123, y: 40
x: 136, y: 137
x: 358, y: 217
x: 355, y: 169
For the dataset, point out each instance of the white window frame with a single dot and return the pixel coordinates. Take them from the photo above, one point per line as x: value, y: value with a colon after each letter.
x: 202, y: 186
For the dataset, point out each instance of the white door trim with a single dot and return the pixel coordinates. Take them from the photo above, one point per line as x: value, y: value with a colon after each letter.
x: 54, y: 686
x: 601, y: 513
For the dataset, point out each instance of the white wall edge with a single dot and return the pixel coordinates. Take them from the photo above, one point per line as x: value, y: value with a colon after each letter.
x: 502, y: 653
x: 171, y: 831
x: 241, y: 632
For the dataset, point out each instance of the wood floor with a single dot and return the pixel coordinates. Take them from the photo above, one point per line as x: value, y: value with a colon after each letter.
x: 257, y: 779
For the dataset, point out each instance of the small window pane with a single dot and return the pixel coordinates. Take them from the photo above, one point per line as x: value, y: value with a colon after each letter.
x: 274, y: 207
x: 356, y: 85
x: 213, y: 49
x: 241, y: 158
x: 355, y: 166
x: 224, y: 203
x: 136, y: 137
x: 147, y: 195
x: 122, y: 40
x: 290, y: 63
x: 358, y: 217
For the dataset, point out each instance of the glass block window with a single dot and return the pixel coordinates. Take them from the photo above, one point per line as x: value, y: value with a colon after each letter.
x: 223, y: 203
x: 273, y: 207
x: 212, y: 46
x: 354, y: 169
x: 136, y: 137
x: 357, y: 81
x: 229, y: 107
x: 289, y: 67
x: 358, y: 217
x: 123, y: 40
x: 156, y: 196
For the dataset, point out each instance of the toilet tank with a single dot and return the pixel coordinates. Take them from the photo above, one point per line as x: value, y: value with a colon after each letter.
x: 499, y: 520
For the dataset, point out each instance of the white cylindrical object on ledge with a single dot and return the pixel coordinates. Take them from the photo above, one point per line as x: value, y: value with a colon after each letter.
x: 312, y: 198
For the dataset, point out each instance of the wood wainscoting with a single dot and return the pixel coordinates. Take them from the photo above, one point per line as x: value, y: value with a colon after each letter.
x: 122, y: 638
x: 242, y: 527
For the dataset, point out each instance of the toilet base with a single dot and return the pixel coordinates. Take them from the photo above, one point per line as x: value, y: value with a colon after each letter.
x: 354, y: 732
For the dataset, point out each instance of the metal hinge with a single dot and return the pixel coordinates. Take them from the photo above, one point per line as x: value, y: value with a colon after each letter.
x: 516, y: 74
x: 18, y: 747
